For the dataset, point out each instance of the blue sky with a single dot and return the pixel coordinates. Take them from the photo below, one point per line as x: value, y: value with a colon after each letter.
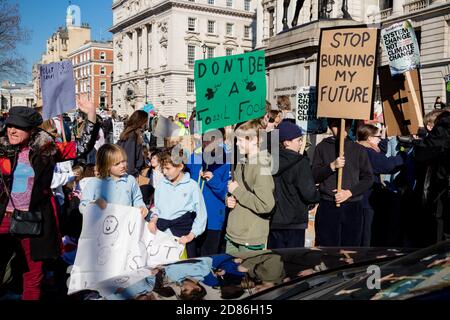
x: 43, y: 17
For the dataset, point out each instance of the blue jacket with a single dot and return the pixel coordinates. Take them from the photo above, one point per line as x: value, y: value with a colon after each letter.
x: 214, y: 190
x: 381, y: 164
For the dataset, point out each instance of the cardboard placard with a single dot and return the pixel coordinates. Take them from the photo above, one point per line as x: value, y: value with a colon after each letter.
x: 58, y: 88
x: 230, y: 89
x: 346, y: 79
x: 398, y: 108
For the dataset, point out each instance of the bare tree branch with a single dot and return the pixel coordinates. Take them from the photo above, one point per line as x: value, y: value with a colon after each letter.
x: 11, y: 34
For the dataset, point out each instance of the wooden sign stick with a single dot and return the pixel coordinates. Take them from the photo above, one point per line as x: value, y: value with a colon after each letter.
x: 341, y: 154
x: 302, y: 148
x: 414, y: 98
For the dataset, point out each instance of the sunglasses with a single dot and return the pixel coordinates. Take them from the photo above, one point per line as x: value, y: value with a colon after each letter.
x: 10, y: 125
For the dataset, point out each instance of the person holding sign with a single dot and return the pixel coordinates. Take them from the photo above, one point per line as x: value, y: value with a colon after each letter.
x: 113, y: 184
x: 340, y: 226
x: 27, y: 159
x: 179, y: 205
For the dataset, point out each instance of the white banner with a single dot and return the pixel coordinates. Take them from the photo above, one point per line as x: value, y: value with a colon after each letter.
x: 114, y: 241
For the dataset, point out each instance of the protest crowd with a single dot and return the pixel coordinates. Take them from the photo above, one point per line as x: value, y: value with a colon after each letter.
x: 226, y: 195
x: 394, y: 193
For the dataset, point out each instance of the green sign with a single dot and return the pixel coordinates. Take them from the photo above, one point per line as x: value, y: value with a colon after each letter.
x: 230, y: 89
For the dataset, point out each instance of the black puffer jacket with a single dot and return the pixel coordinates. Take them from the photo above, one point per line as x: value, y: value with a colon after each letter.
x: 294, y: 191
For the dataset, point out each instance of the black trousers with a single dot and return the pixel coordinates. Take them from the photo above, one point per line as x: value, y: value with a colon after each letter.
x: 339, y: 226
x: 368, y: 214
x: 286, y: 238
x: 209, y: 242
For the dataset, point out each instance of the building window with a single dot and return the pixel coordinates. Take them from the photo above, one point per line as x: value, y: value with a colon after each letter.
x: 307, y: 76
x: 210, y: 1
x: 190, y: 107
x: 210, y: 52
x: 102, y: 55
x: 191, y: 24
x: 247, y: 30
x: 102, y: 70
x: 228, y: 51
x: 191, y: 54
x: 271, y: 22
x: 229, y: 29
x: 102, y: 102
x: 211, y: 26
x: 230, y: 3
x: 102, y: 85
x: 190, y: 85
x: 247, y: 5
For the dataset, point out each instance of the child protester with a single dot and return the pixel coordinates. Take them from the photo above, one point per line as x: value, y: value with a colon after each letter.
x: 251, y: 200
x: 113, y: 184
x: 295, y: 190
x: 179, y: 205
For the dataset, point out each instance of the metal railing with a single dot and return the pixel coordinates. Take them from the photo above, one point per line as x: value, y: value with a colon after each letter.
x: 416, y: 5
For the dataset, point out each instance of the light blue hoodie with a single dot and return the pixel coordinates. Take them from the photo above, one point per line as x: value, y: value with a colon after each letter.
x: 173, y: 201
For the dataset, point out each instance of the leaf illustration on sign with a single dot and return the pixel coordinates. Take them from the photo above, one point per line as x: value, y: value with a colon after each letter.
x: 211, y: 92
x: 250, y: 85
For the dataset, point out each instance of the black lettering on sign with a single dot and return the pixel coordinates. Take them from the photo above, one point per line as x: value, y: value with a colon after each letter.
x: 228, y: 66
x: 344, y: 94
x: 234, y: 89
x: 201, y: 70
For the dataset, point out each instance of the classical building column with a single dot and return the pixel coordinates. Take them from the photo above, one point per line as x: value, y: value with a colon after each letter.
x: 144, y: 37
x: 135, y: 50
x: 128, y: 52
x: 397, y: 7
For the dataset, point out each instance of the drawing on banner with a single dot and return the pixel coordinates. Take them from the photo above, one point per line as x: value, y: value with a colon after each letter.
x: 119, y: 239
x: 401, y: 46
x: 121, y: 280
x: 131, y: 230
x: 230, y: 89
x: 103, y: 256
x: 109, y: 231
x: 306, y: 111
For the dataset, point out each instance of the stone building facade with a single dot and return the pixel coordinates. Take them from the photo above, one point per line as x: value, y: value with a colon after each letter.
x: 291, y: 56
x: 156, y: 43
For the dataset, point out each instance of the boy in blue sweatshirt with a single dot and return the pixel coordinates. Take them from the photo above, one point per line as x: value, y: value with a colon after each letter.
x: 179, y: 206
x: 212, y: 173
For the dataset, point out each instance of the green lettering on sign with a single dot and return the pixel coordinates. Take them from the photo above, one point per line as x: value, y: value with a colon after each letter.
x: 230, y: 89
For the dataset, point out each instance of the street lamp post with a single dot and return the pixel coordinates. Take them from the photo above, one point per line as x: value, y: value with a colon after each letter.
x: 204, y: 47
x: 146, y: 86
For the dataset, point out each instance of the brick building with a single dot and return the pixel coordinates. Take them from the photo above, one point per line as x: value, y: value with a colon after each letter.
x: 93, y: 65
